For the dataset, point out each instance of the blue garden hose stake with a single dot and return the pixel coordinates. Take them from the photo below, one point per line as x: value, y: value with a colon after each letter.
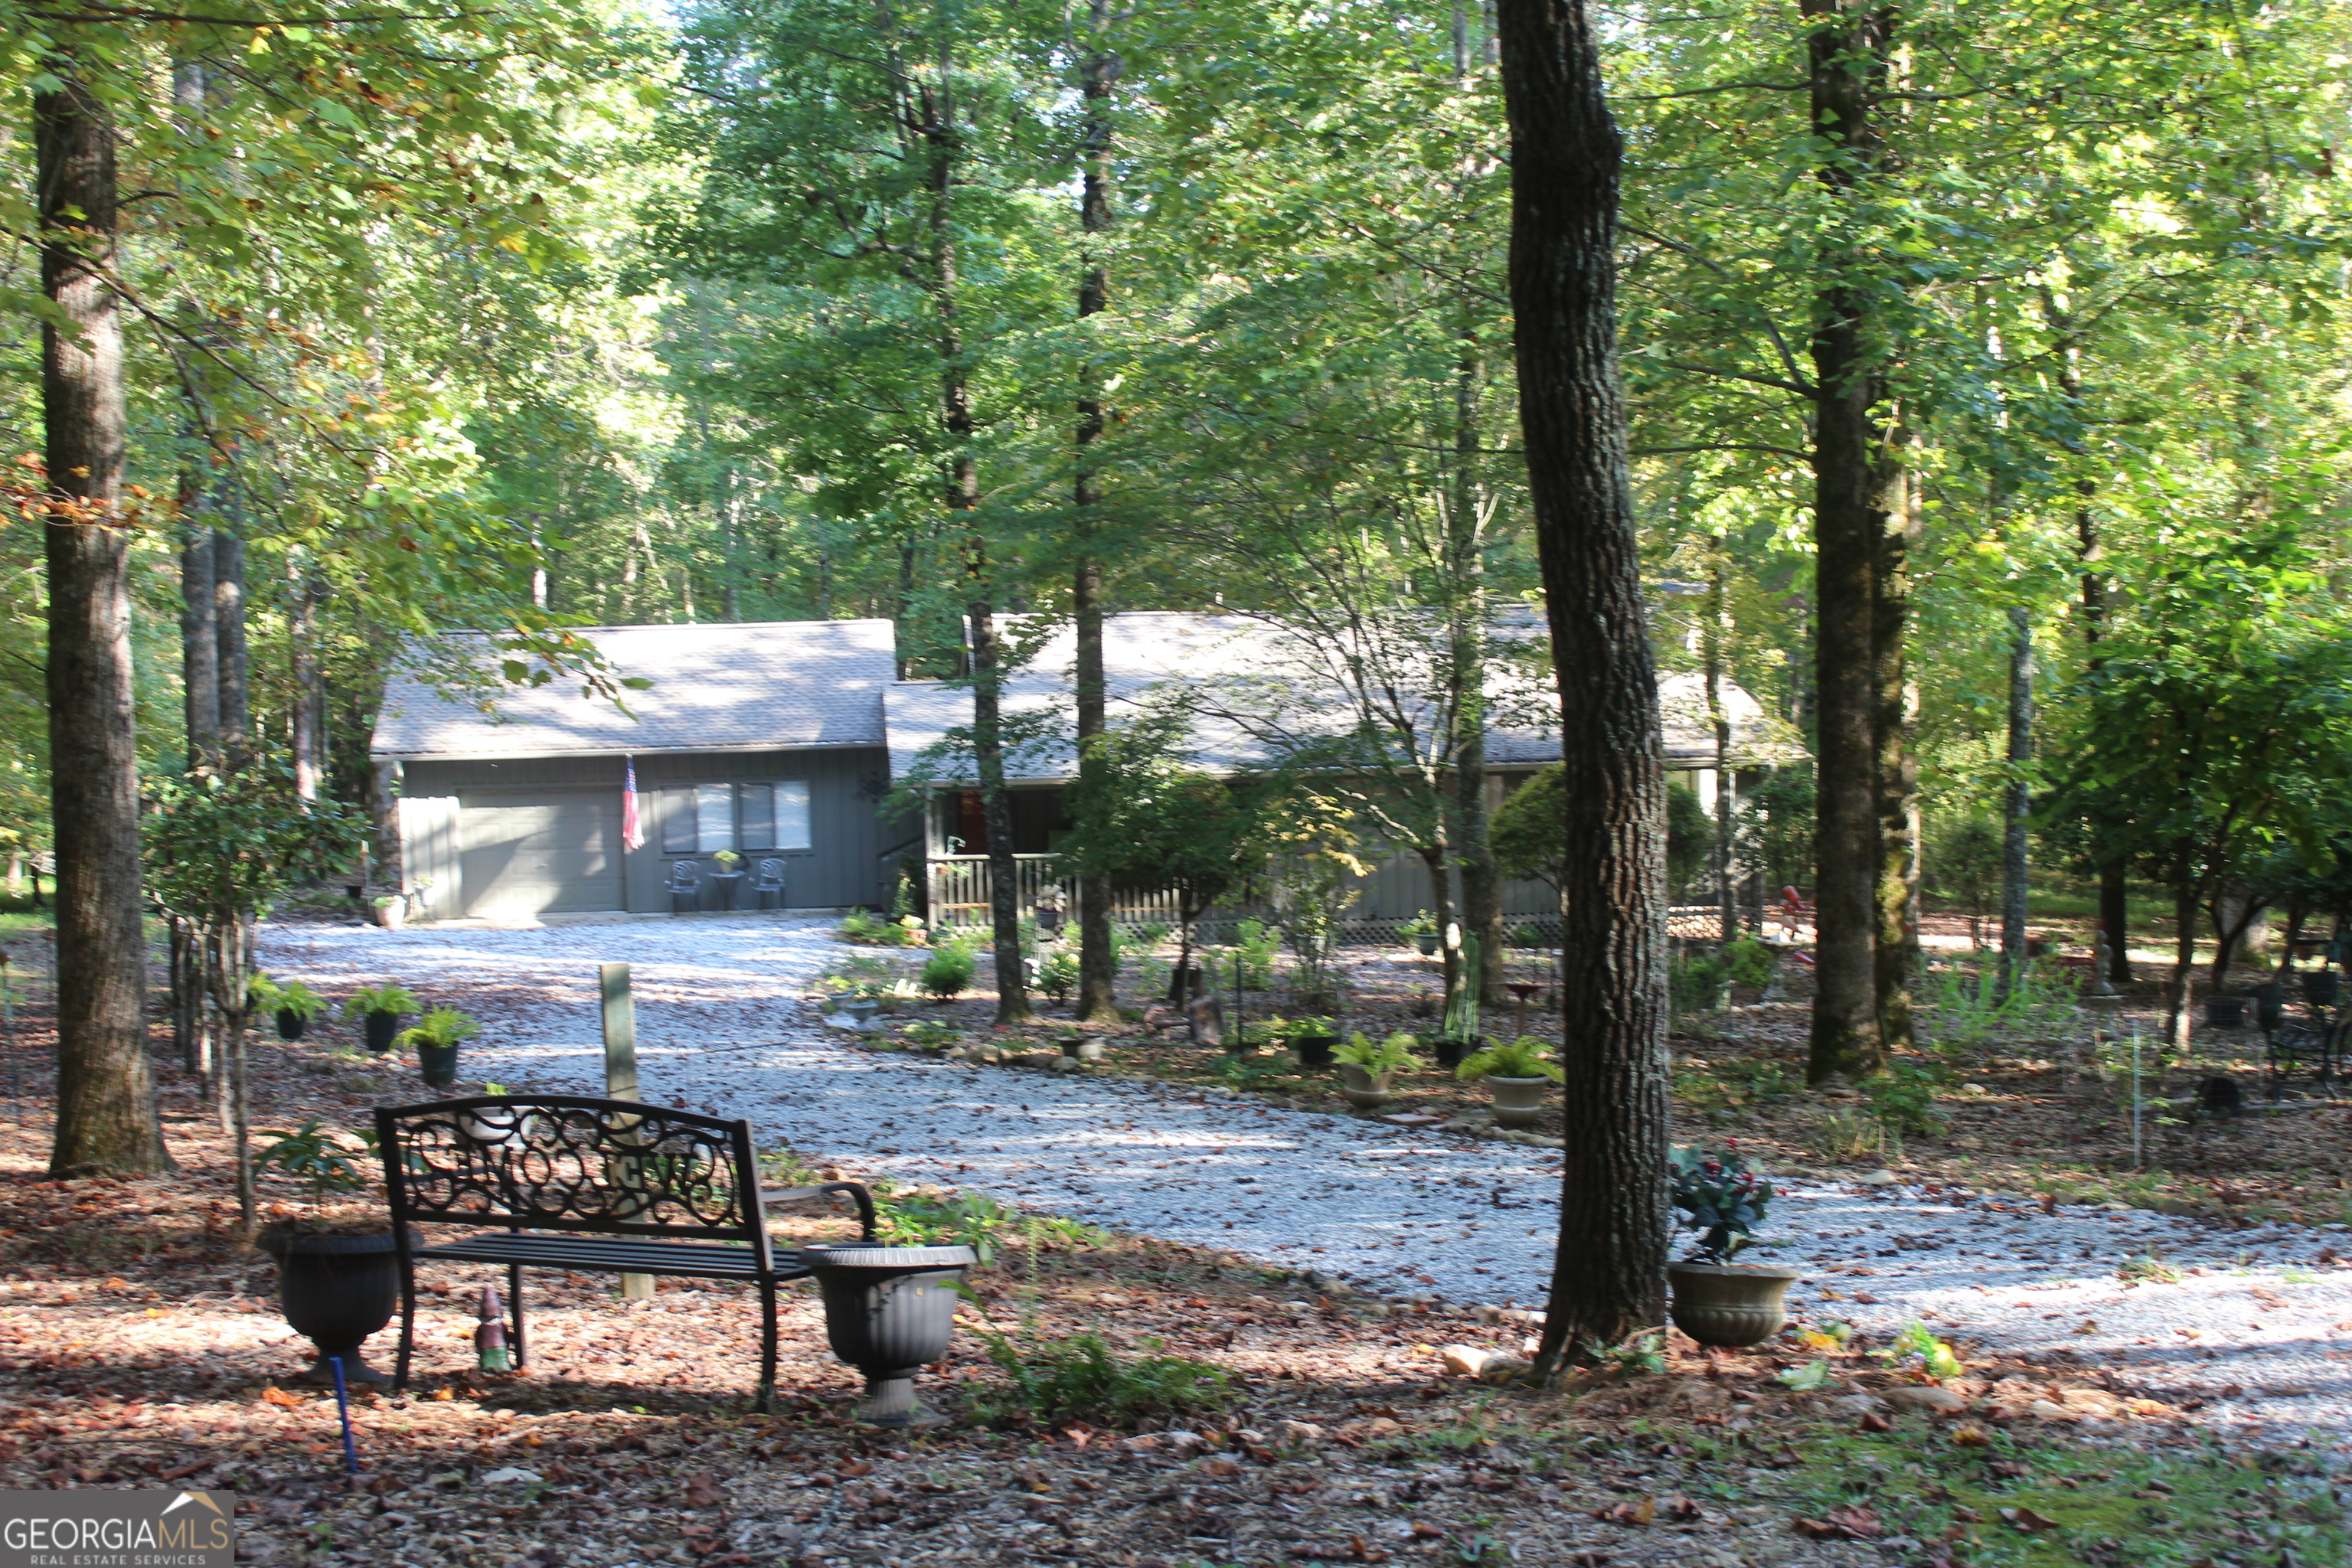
x: 343, y: 1408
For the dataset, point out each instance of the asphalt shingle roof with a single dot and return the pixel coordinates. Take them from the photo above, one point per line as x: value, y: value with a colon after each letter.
x: 1248, y: 663
x: 738, y: 686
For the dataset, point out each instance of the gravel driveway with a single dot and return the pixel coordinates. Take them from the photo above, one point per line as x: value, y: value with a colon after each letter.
x: 2258, y: 1327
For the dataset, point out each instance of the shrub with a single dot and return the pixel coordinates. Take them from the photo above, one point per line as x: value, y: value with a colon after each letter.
x: 1752, y: 963
x: 1257, y: 944
x: 1080, y: 1377
x: 1057, y: 975
x: 944, y: 1219
x: 1903, y: 1098
x: 876, y: 930
x: 948, y: 973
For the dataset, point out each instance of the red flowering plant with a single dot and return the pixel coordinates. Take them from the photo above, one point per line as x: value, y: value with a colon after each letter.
x: 1722, y: 1195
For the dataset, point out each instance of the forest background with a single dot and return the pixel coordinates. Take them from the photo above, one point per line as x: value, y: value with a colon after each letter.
x: 549, y: 314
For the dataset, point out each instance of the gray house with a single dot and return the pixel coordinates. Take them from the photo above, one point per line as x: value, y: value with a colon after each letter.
x: 763, y: 738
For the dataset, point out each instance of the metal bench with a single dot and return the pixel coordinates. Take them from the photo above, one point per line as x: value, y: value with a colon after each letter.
x: 606, y: 1187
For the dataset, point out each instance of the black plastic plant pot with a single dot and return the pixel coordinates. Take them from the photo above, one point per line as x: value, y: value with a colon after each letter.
x: 2320, y: 987
x: 1315, y: 1050
x: 2225, y: 1011
x: 290, y: 1023
x: 1449, y: 1053
x: 437, y: 1064
x: 889, y: 1311
x: 336, y: 1291
x: 380, y: 1028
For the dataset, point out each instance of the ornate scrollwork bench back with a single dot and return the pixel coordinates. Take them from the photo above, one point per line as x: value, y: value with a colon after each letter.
x: 571, y: 1162
x: 607, y: 1185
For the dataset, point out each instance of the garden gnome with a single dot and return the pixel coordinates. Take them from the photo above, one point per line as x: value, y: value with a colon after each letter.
x: 490, y: 1334
x: 2101, y: 989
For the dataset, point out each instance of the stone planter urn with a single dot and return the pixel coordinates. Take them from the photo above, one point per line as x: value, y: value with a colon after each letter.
x: 335, y: 1290
x: 1364, y: 1091
x: 1728, y: 1305
x: 1518, y: 1101
x: 889, y: 1311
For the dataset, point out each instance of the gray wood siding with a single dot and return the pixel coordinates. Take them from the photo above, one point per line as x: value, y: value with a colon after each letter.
x: 846, y: 789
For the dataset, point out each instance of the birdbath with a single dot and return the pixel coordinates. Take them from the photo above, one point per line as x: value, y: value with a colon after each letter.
x: 1524, y: 990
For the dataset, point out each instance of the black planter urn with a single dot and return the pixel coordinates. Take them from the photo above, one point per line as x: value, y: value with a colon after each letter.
x: 336, y: 1291
x: 2320, y: 987
x: 1449, y: 1053
x: 380, y: 1028
x: 889, y: 1311
x: 2225, y: 1011
x: 290, y: 1023
x: 1313, y: 1051
x: 437, y: 1064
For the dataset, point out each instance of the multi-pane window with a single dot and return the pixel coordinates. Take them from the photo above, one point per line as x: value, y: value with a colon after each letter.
x: 746, y: 817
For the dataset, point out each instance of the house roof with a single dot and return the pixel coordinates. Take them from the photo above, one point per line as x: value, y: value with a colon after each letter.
x: 1259, y: 690
x: 738, y: 686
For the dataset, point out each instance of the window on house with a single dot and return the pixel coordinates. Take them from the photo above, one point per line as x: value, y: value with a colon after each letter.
x: 707, y: 818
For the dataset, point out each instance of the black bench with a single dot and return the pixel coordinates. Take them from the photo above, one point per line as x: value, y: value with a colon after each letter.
x: 612, y: 1186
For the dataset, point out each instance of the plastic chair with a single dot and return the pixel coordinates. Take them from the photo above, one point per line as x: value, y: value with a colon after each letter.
x: 772, y: 880
x: 684, y: 886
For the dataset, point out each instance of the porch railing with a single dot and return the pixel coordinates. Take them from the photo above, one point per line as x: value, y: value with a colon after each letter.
x: 959, y: 890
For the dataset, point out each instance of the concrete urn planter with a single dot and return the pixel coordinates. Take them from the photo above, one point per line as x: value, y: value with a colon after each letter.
x: 1518, y: 1101
x: 1728, y: 1305
x: 1364, y: 1091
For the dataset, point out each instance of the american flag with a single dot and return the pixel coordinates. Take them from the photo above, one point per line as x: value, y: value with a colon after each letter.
x: 632, y: 827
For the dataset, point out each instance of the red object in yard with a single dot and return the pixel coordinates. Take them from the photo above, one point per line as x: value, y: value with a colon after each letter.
x: 1804, y: 958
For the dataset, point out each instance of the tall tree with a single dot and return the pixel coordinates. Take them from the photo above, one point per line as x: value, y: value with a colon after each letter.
x: 1608, y: 1277
x: 1097, y: 69
x: 106, y: 1117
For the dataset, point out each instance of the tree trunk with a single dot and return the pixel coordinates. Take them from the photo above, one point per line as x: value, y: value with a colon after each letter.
x: 1719, y: 720
x: 1098, y: 960
x: 2186, y: 892
x: 1851, y: 470
x: 1608, y: 1276
x: 199, y: 629
x: 106, y: 1120
x: 228, y: 600
x: 2016, y: 804
x: 1436, y: 859
x: 1896, y: 900
x: 309, y: 709
x: 1465, y: 545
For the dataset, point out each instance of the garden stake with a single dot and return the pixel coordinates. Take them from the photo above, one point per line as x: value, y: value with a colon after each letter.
x: 343, y: 1408
x: 2137, y: 1161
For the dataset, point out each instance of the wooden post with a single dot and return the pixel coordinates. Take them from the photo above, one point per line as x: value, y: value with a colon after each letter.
x: 620, y: 1073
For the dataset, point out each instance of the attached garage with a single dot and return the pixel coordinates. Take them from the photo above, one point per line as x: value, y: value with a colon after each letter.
x: 754, y: 744
x: 540, y: 851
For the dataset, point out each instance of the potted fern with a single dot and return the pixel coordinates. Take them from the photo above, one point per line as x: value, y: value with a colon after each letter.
x: 295, y: 1005
x: 1722, y: 1195
x: 1517, y: 1075
x: 1312, y: 1042
x: 337, y: 1276
x: 380, y: 1006
x: 1421, y: 932
x: 1365, y: 1070
x: 436, y: 1038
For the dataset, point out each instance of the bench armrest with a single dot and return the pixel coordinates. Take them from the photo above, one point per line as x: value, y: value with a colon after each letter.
x: 857, y: 1190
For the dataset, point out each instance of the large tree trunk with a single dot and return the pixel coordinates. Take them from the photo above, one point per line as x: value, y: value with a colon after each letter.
x: 2188, y: 891
x: 996, y: 805
x: 107, y: 1119
x: 1718, y: 634
x: 199, y: 628
x: 1854, y: 470
x: 1435, y: 859
x: 1097, y: 958
x: 2017, y: 802
x: 1609, y: 1276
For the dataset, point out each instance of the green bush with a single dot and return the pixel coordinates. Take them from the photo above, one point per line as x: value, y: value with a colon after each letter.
x: 877, y: 931
x: 948, y: 973
x: 1694, y: 985
x: 1057, y: 975
x: 1903, y: 1098
x: 1752, y: 963
x: 1081, y: 1378
x: 953, y: 1219
x: 1257, y: 943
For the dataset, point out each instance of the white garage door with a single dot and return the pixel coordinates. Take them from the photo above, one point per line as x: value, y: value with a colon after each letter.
x: 530, y: 851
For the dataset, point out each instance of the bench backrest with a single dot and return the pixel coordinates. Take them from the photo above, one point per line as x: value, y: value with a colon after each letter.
x: 569, y: 1162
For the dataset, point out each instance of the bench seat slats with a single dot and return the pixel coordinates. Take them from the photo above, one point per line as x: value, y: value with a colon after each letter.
x: 615, y: 1255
